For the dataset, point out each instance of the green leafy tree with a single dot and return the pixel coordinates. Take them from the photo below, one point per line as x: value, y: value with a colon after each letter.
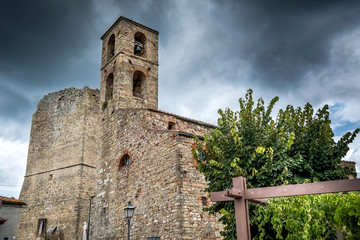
x: 295, y: 147
x: 311, y: 217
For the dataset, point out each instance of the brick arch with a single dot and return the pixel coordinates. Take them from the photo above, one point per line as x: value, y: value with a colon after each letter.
x: 109, y: 71
x: 141, y: 69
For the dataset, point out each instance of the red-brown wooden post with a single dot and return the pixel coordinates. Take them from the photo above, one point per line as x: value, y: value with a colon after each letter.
x: 241, y: 211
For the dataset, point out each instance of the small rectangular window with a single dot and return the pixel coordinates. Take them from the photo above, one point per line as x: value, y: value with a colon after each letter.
x: 41, y: 229
x: 153, y: 238
x: 171, y: 125
x: 204, y: 201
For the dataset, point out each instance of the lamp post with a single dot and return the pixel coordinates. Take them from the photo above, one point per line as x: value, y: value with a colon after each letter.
x: 129, y: 211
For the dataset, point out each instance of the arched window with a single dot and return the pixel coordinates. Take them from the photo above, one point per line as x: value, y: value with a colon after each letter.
x: 109, y: 87
x: 139, y: 46
x: 111, y: 47
x: 124, y: 160
x: 138, y: 82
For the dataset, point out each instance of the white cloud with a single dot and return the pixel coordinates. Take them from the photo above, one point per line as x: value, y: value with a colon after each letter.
x: 12, y: 166
x: 354, y: 154
x: 339, y: 82
x: 203, y: 103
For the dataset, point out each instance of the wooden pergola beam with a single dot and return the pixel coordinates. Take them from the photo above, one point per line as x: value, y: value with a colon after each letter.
x: 240, y: 195
x: 347, y: 185
x: 256, y: 194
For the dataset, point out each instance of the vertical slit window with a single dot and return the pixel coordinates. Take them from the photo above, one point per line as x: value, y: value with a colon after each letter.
x: 109, y: 87
x: 204, y: 201
x: 41, y: 230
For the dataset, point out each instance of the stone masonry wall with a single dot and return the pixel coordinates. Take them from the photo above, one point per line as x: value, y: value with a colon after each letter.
x: 125, y: 63
x: 161, y: 180
x: 124, y: 31
x: 61, y: 165
x: 137, y: 182
x: 197, y: 224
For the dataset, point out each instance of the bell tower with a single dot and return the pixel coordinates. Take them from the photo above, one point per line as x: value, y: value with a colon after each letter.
x: 129, y: 66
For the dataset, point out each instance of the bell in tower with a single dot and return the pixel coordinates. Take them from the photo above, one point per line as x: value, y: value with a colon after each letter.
x: 138, y: 49
x: 129, y: 66
x: 139, y: 40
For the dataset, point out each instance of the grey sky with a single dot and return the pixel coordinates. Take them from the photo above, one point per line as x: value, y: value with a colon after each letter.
x: 211, y: 52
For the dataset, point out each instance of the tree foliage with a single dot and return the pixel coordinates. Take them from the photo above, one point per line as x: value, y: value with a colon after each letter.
x: 311, y: 216
x: 295, y: 147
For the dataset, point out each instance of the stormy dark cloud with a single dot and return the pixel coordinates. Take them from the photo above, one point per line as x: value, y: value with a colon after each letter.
x: 41, y: 40
x: 13, y: 104
x: 160, y: 15
x: 282, y: 40
x: 211, y: 52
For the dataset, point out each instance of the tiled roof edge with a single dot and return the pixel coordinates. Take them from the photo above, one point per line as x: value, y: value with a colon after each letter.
x: 12, y: 200
x: 177, y: 116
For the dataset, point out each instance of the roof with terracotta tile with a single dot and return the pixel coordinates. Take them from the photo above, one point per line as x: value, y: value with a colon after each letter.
x: 11, y: 200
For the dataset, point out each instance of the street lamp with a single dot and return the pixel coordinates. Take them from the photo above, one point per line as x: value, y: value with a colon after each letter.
x: 129, y: 211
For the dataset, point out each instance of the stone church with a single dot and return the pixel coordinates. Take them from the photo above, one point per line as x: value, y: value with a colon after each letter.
x: 91, y: 152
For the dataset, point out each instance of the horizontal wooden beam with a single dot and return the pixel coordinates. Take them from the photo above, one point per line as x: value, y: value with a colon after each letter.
x: 303, y: 189
x: 220, y: 197
x: 256, y: 194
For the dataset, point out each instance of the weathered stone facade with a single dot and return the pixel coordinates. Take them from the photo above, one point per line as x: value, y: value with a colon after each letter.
x: 63, y: 153
x: 112, y: 146
x: 161, y: 180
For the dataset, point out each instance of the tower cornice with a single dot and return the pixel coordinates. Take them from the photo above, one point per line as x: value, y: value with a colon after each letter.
x: 130, y: 21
